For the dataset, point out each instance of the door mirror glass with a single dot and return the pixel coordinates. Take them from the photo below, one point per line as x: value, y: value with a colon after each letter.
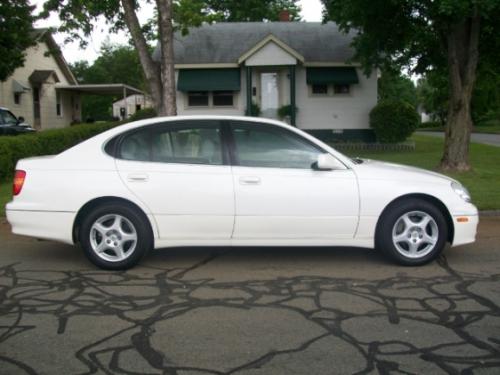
x: 327, y: 162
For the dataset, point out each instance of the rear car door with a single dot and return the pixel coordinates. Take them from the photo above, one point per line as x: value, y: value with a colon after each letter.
x: 279, y: 195
x: 180, y: 171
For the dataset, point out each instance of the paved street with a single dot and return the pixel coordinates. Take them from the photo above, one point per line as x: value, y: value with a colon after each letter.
x: 487, y: 139
x: 250, y: 311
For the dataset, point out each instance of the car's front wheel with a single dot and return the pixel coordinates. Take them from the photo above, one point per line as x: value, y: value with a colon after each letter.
x: 412, y: 232
x: 115, y: 236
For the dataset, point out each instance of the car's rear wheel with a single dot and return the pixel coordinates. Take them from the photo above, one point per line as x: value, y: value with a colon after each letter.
x: 412, y: 232
x: 115, y: 236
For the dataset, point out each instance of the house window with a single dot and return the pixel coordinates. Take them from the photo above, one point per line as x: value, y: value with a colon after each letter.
x: 17, y: 98
x: 198, y: 98
x: 320, y: 89
x: 341, y: 89
x: 223, y: 98
x: 58, y: 104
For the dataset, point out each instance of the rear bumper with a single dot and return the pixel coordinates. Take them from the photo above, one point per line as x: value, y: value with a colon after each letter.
x: 465, y: 231
x: 57, y: 226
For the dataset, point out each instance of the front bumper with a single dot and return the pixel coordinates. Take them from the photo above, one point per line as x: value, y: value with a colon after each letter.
x: 465, y: 229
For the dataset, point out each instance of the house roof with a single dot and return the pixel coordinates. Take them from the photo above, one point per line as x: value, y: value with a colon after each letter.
x: 44, y: 34
x: 224, y: 43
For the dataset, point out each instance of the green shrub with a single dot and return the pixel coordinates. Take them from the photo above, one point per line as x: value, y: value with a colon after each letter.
x: 143, y: 114
x: 286, y: 111
x: 393, y: 121
x: 254, y: 110
x: 47, y: 142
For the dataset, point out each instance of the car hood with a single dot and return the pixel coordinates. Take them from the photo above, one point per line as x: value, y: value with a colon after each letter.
x: 377, y: 170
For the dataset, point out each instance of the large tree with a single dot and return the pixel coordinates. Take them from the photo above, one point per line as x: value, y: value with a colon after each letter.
x: 79, y: 18
x: 392, y: 85
x: 425, y: 34
x: 115, y: 64
x: 16, y: 34
x: 253, y: 10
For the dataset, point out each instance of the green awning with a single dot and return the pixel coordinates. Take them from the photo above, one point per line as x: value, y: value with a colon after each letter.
x: 341, y: 75
x: 209, y: 80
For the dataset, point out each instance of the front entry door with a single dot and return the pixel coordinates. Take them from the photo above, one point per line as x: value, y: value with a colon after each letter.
x: 269, y: 94
x: 36, y: 108
x: 279, y: 196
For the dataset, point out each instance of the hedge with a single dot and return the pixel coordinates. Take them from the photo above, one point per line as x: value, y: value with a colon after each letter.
x: 47, y: 142
x: 143, y: 114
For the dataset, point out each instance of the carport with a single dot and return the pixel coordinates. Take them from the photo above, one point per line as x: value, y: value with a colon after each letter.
x: 102, y: 89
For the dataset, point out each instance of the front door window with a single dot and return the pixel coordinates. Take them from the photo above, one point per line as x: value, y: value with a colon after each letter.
x: 271, y: 147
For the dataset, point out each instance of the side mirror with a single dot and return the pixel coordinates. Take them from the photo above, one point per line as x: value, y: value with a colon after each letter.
x: 327, y: 162
x: 20, y: 119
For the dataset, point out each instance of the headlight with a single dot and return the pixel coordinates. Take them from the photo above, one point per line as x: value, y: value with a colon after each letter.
x: 461, y: 191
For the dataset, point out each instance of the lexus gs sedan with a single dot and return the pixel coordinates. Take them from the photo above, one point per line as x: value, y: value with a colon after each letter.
x: 232, y: 181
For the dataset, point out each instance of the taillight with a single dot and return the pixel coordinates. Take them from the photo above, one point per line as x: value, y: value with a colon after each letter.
x: 19, y: 178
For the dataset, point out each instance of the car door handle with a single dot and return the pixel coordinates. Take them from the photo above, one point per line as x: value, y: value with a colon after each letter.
x: 137, y: 177
x: 250, y: 180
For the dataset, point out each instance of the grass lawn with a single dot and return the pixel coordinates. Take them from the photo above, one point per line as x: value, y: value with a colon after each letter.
x: 5, y: 196
x: 483, y: 181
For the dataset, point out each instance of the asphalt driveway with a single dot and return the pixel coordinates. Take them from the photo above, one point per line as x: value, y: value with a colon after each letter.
x: 486, y: 139
x: 250, y: 311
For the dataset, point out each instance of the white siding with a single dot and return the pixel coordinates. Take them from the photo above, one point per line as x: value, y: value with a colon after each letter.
x: 271, y: 54
x: 36, y: 60
x: 237, y: 110
x: 341, y: 111
x: 337, y: 111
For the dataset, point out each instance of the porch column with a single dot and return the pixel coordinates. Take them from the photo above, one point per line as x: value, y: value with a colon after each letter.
x: 249, y: 90
x: 292, y: 95
x: 125, y: 100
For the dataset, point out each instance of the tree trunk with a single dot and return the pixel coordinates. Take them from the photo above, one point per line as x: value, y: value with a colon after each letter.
x: 150, y: 68
x: 462, y: 43
x: 167, y: 56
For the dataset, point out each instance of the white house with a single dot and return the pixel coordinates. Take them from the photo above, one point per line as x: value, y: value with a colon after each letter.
x: 45, y: 92
x: 226, y: 68
x: 130, y: 105
x: 31, y: 92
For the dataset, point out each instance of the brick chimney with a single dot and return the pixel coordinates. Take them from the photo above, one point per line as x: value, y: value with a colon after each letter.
x: 284, y: 16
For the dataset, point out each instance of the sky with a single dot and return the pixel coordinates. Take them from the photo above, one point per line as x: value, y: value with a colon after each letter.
x: 311, y: 11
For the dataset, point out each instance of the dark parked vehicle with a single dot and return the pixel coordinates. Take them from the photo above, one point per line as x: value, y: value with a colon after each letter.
x: 12, y: 125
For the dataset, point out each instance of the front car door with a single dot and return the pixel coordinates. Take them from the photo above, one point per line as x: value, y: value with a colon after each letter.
x: 280, y: 196
x: 180, y: 171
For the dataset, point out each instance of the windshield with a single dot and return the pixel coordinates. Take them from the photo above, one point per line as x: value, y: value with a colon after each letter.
x: 7, y: 118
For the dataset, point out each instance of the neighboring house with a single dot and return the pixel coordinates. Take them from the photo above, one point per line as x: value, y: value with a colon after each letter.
x: 45, y: 92
x: 224, y: 68
x: 131, y: 105
x: 31, y: 92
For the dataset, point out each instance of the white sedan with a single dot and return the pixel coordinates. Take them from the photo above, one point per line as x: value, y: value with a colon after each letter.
x: 238, y: 181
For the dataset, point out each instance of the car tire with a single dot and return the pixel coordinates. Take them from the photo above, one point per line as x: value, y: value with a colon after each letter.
x: 412, y: 232
x: 115, y: 236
